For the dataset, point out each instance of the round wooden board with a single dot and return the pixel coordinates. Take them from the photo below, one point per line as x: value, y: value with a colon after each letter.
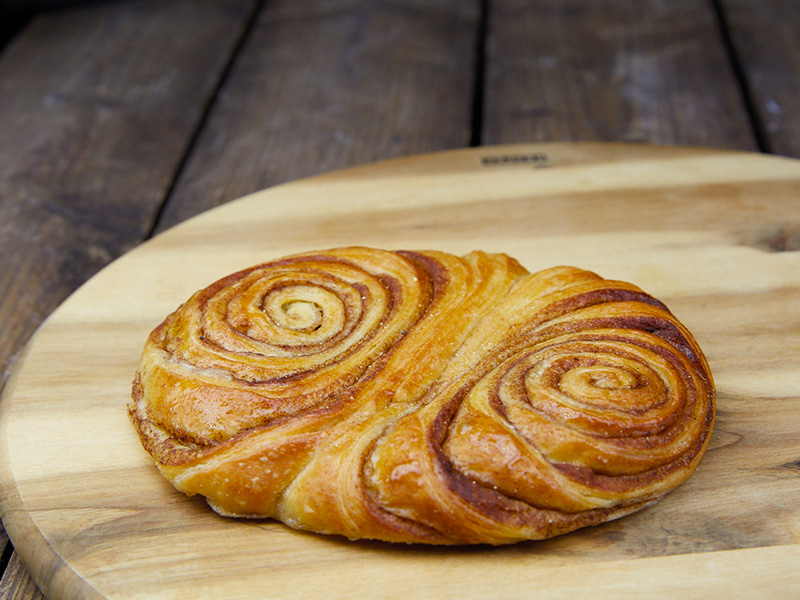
x: 714, y: 234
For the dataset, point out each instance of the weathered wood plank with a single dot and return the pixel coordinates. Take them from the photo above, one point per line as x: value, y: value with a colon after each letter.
x: 322, y: 85
x: 647, y: 71
x: 767, y: 40
x: 97, y: 105
x: 17, y: 584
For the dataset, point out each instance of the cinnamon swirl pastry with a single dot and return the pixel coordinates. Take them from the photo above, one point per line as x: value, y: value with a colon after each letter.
x: 423, y: 397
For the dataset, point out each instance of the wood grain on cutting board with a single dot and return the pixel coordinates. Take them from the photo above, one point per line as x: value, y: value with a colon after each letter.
x: 715, y: 235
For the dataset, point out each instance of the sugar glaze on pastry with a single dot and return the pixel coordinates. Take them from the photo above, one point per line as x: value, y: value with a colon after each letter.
x: 422, y: 397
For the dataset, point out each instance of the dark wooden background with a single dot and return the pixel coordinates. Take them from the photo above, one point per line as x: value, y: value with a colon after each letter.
x: 119, y: 119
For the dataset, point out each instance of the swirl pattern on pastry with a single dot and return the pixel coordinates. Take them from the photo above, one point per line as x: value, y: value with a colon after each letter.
x: 422, y: 397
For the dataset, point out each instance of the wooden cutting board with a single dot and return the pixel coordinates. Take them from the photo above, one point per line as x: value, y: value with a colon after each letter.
x: 714, y: 234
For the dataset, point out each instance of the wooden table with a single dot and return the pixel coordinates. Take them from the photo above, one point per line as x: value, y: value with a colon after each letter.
x: 120, y: 119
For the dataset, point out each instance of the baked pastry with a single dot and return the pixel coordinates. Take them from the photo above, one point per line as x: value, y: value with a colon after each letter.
x: 418, y: 396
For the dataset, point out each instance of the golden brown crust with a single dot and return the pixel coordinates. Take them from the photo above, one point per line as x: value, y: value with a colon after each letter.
x: 423, y: 397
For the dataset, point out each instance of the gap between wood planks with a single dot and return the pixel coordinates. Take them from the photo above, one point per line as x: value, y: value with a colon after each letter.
x: 5, y: 557
x: 248, y: 28
x: 742, y: 81
x: 479, y: 81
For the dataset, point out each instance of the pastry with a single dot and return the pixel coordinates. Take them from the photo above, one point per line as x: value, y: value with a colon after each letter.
x: 422, y: 397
